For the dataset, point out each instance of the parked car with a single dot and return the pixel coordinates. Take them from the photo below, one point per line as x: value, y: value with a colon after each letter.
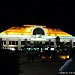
x: 63, y: 57
x: 46, y: 56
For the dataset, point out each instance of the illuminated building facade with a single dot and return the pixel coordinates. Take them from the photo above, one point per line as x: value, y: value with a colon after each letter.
x: 18, y: 37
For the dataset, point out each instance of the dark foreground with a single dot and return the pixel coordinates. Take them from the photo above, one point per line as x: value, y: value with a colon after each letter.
x: 12, y: 64
x: 39, y: 68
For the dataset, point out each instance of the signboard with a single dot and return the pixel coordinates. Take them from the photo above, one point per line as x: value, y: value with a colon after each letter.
x: 38, y: 37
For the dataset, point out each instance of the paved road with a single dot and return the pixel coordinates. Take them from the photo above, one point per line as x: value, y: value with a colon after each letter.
x: 39, y: 68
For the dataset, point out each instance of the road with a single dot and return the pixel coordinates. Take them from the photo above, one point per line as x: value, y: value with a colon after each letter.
x: 39, y: 68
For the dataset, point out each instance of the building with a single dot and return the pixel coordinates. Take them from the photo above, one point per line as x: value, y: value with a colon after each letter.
x: 19, y: 37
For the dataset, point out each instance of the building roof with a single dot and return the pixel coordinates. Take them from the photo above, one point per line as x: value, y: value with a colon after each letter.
x: 27, y: 29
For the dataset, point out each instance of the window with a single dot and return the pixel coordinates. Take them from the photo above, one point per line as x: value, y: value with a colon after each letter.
x: 73, y: 43
x: 4, y: 42
x: 13, y: 42
x: 68, y: 43
x: 16, y: 42
x: 40, y: 42
x: 28, y: 42
x: 22, y: 42
x: 46, y: 43
x: 38, y: 31
x: 34, y: 42
x: 52, y: 43
x: 9, y: 42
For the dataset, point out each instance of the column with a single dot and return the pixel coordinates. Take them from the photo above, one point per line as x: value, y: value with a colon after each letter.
x: 72, y: 43
x: 43, y: 42
x: 7, y: 43
x: 31, y: 42
x: 55, y: 44
x: 19, y: 44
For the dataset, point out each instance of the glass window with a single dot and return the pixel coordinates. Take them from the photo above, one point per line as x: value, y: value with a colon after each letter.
x: 38, y: 31
x: 28, y: 42
x: 16, y: 42
x: 40, y: 42
x: 68, y: 43
x: 46, y: 43
x: 52, y: 43
x: 13, y: 42
x: 37, y: 42
x: 9, y: 42
x: 4, y: 42
x: 34, y: 42
x: 73, y: 43
x: 22, y: 42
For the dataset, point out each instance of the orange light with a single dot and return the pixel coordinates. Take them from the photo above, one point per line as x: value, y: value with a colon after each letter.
x: 27, y: 29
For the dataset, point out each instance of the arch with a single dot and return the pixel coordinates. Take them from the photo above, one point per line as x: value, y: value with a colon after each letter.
x: 38, y: 31
x: 39, y: 28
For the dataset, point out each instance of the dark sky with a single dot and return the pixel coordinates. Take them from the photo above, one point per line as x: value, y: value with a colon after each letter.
x: 54, y: 14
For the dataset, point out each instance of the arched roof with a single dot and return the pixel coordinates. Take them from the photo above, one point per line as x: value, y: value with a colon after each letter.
x: 27, y: 30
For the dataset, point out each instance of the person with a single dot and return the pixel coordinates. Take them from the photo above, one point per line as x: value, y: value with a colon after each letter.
x: 69, y: 65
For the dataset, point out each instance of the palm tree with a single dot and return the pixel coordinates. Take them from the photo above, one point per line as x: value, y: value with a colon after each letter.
x: 57, y: 42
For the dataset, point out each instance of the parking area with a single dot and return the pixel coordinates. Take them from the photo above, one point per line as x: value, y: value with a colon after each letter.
x: 39, y: 68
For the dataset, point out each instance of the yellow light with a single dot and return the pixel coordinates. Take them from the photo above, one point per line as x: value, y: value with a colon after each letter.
x: 27, y: 29
x: 65, y: 56
x: 68, y: 56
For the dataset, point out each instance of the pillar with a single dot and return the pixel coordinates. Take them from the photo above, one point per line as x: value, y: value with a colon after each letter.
x: 31, y: 42
x: 55, y: 44
x: 7, y: 43
x: 43, y: 42
x: 19, y: 44
x: 72, y: 43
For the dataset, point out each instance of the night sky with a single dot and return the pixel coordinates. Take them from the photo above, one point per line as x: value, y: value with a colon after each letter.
x: 55, y: 14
